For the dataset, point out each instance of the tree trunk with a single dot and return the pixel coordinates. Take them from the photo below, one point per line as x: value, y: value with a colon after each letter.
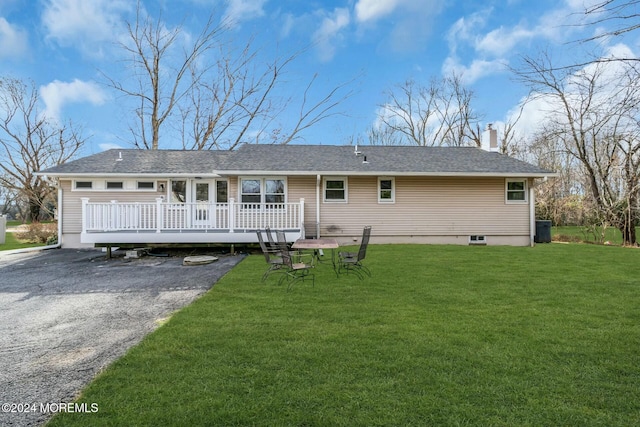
x: 628, y: 230
x: 34, y: 210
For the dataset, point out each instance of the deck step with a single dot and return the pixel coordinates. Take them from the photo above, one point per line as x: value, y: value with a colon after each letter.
x: 199, y: 260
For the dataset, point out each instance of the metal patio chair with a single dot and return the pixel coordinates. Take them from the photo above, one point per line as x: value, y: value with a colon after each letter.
x: 295, y: 269
x: 272, y: 243
x: 272, y: 256
x: 352, y: 261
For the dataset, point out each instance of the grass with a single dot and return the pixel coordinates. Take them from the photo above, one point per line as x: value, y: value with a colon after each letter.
x: 440, y: 335
x: 587, y: 235
x: 11, y: 242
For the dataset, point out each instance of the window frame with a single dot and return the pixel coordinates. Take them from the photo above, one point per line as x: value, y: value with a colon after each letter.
x: 171, y: 192
x: 154, y: 184
x: 392, y: 199
x: 345, y: 189
x: 524, y: 191
x: 76, y: 188
x: 262, y: 180
x: 119, y: 185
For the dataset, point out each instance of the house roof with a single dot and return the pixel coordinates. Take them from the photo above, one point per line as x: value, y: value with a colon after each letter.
x: 251, y: 159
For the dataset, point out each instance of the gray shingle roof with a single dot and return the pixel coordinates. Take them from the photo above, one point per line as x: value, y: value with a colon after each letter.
x: 302, y: 159
x: 134, y: 162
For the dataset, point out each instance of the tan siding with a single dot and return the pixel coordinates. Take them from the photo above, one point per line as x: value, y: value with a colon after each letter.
x: 72, y: 202
x: 427, y: 206
x: 304, y: 187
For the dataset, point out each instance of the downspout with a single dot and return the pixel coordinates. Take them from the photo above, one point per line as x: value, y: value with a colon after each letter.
x: 532, y: 213
x: 318, y: 206
x: 59, y: 244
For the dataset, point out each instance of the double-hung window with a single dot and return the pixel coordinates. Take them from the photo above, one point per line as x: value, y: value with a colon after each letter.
x: 516, y: 191
x: 386, y: 190
x: 262, y: 190
x: 335, y: 189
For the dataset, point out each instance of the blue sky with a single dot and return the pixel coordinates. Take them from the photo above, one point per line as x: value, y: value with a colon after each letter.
x: 64, y: 47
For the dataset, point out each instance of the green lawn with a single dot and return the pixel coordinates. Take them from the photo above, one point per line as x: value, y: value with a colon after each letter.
x: 10, y: 242
x: 440, y: 335
x: 588, y: 235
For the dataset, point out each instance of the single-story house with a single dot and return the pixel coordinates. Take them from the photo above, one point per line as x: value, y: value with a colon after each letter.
x: 409, y: 194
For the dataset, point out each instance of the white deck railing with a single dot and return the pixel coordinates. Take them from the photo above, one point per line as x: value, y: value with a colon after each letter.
x: 114, y: 216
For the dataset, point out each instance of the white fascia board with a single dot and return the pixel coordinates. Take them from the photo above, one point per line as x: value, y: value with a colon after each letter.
x: 130, y: 175
x: 386, y: 173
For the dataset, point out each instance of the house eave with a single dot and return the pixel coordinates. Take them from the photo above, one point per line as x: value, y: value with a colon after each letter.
x: 219, y: 174
x: 388, y: 173
x: 130, y: 175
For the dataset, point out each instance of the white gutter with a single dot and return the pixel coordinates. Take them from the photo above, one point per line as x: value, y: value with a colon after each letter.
x: 387, y: 173
x: 129, y: 175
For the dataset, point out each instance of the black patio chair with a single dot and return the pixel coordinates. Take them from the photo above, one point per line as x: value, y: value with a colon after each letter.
x: 272, y: 256
x: 295, y: 268
x: 273, y: 244
x: 352, y: 261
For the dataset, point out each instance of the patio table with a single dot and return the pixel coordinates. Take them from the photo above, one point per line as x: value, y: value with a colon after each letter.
x: 318, y: 244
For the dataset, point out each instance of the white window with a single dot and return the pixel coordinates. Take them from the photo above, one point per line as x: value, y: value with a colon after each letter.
x: 115, y: 185
x: 262, y: 190
x: 83, y: 185
x: 477, y: 240
x: 386, y: 190
x: 146, y: 185
x: 516, y: 191
x: 335, y: 189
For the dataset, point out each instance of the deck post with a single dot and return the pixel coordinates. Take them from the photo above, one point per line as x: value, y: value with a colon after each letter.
x: 159, y: 219
x: 114, y: 224
x: 85, y: 202
x: 232, y: 215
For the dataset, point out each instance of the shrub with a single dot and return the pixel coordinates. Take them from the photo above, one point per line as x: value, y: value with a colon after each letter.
x: 38, y: 232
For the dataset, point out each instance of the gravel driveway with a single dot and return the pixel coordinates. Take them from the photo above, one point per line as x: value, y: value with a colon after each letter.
x: 65, y: 314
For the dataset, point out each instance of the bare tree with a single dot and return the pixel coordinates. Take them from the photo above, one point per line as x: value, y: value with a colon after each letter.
x: 162, y: 70
x: 621, y: 16
x: 438, y: 114
x: 213, y: 95
x: 595, y: 113
x: 29, y: 143
x: 237, y: 103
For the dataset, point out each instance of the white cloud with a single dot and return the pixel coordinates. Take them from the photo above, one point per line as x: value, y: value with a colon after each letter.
x: 13, y: 40
x: 478, y: 69
x: 329, y: 33
x: 502, y: 40
x: 83, y: 23
x: 405, y: 25
x: 57, y: 94
x: 371, y: 10
x: 243, y: 10
x: 464, y: 30
x: 109, y: 146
